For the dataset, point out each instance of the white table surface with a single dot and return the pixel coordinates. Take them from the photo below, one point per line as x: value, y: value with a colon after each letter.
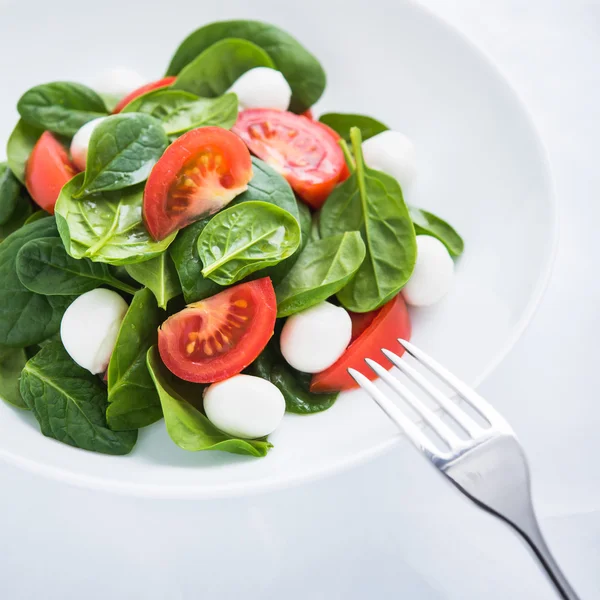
x: 346, y: 537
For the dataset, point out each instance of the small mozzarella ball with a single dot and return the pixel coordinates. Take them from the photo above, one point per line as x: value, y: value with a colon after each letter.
x: 244, y: 406
x: 118, y: 82
x: 393, y: 153
x: 433, y: 274
x: 312, y: 340
x: 262, y: 88
x: 81, y: 141
x: 90, y: 326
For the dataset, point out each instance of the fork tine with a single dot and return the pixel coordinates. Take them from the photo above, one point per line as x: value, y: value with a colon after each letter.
x: 413, y: 433
x: 463, y: 390
x: 426, y: 413
x: 459, y: 415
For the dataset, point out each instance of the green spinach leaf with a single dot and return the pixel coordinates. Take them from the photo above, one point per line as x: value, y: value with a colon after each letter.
x: 427, y: 223
x: 122, y: 151
x: 70, y: 403
x: 294, y: 385
x: 61, y: 106
x: 186, y: 425
x: 26, y: 318
x: 106, y: 227
x: 371, y: 202
x: 301, y: 69
x: 215, y: 70
x: 10, y: 191
x: 180, y: 111
x: 159, y: 275
x: 12, y: 361
x: 342, y: 123
x: 21, y: 214
x: 44, y: 267
x: 35, y: 216
x: 322, y: 269
x: 132, y: 398
x: 245, y: 238
x: 20, y: 144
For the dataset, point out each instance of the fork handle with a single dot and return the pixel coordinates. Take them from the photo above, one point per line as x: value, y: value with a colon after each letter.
x: 531, y: 532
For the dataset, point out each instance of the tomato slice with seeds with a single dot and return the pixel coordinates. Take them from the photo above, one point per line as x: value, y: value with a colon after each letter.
x: 199, y: 174
x: 218, y: 337
x: 370, y: 332
x: 149, y: 87
x: 345, y: 173
x: 48, y: 169
x: 298, y: 148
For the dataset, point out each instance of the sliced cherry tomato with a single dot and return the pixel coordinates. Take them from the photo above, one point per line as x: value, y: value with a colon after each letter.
x: 336, y: 136
x: 390, y: 322
x: 217, y: 338
x: 308, y: 114
x: 298, y: 148
x: 154, y: 85
x: 48, y: 169
x: 199, y: 174
x: 360, y: 321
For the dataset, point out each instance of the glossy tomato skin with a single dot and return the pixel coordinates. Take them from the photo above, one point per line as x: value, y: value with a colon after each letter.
x: 199, y: 174
x: 391, y: 322
x: 48, y: 169
x: 149, y: 87
x: 298, y: 148
x: 220, y: 336
x: 308, y: 114
x: 345, y: 172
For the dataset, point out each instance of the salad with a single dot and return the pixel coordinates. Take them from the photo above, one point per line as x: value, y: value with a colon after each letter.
x: 201, y: 249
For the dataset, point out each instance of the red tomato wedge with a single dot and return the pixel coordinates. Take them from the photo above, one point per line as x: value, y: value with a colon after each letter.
x: 298, y: 148
x: 389, y: 323
x: 199, y: 174
x: 48, y: 169
x: 345, y: 173
x: 217, y: 338
x: 154, y: 85
x: 308, y: 114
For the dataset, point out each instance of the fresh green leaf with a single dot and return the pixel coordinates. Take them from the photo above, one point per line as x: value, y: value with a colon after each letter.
x: 158, y: 275
x: 245, y: 238
x: 70, y: 403
x: 122, y: 151
x: 371, y: 202
x: 10, y: 191
x: 12, y: 361
x: 180, y: 111
x: 35, y: 216
x: 106, y: 227
x: 21, y: 214
x: 132, y: 398
x: 266, y: 185
x: 323, y: 269
x: 342, y: 123
x: 294, y: 385
x: 26, y: 318
x: 44, y: 267
x: 427, y: 223
x: 186, y: 425
x: 215, y: 70
x: 61, y: 107
x: 300, y: 68
x: 19, y: 147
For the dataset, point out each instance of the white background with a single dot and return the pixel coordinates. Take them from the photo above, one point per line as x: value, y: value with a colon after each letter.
x: 391, y: 528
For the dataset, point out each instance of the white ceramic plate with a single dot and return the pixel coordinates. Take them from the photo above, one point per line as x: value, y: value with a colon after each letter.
x: 481, y: 165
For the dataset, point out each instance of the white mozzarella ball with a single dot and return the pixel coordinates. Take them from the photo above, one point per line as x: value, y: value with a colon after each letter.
x: 90, y: 326
x: 118, y: 82
x: 393, y: 153
x: 81, y: 141
x: 244, y: 406
x: 433, y: 274
x: 262, y: 88
x: 312, y: 340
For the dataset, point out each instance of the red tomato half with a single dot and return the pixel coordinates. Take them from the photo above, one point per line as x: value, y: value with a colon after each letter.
x: 48, y: 169
x: 199, y: 174
x: 336, y: 136
x: 390, y: 322
x: 308, y: 114
x: 154, y: 85
x: 217, y: 338
x: 298, y: 148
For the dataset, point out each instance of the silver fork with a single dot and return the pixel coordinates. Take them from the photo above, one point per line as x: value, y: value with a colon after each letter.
x: 489, y: 466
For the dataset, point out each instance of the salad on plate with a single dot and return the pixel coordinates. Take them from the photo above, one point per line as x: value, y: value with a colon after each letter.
x: 201, y: 249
